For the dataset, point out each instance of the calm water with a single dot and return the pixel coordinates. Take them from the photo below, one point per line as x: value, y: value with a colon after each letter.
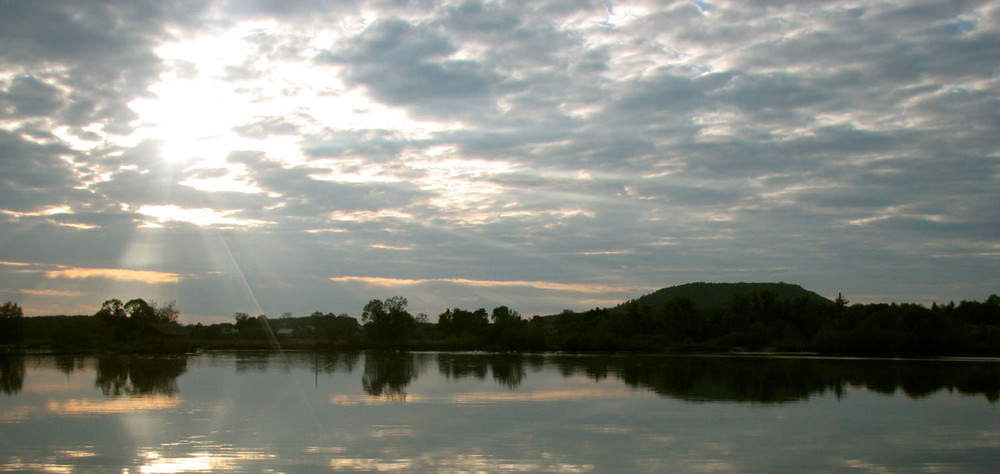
x: 304, y: 412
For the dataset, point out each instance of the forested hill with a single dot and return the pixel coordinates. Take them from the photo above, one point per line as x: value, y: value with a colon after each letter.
x: 716, y: 295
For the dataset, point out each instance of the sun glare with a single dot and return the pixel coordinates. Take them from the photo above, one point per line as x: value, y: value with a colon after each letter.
x: 220, y: 94
x: 199, y: 99
x: 200, y: 217
x: 192, y: 120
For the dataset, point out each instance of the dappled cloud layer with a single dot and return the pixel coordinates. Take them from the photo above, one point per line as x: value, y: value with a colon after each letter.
x: 271, y: 157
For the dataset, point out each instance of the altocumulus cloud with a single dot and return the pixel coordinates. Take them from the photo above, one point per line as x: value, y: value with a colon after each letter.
x: 301, y: 156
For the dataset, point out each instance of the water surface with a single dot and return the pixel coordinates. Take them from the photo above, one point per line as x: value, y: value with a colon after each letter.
x: 302, y: 412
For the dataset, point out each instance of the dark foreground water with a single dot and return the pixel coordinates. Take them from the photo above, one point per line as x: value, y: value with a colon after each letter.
x: 305, y: 412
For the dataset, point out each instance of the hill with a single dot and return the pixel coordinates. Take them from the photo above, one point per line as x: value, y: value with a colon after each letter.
x: 716, y: 295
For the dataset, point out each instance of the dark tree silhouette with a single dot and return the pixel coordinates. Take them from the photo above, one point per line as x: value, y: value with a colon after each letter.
x: 11, y: 323
x: 127, y: 321
x: 333, y: 328
x: 387, y: 322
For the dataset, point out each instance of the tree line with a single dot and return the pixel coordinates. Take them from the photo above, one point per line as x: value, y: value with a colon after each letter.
x: 117, y: 326
x: 752, y: 321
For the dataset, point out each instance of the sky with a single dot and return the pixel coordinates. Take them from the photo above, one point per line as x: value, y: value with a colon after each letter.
x: 269, y: 157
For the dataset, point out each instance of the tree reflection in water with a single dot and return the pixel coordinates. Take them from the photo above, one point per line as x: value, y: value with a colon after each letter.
x: 458, y: 365
x: 11, y: 374
x: 139, y: 376
x: 252, y: 361
x: 69, y: 363
x: 333, y: 362
x: 387, y: 374
x: 708, y: 378
x: 508, y: 369
x: 753, y: 379
x: 785, y: 379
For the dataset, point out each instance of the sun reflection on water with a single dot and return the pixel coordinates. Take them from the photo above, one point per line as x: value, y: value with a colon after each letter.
x: 83, y: 452
x: 17, y: 465
x: 214, y: 458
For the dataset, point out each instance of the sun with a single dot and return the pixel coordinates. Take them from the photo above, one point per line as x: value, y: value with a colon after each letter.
x: 192, y: 110
x: 219, y: 93
x: 189, y: 121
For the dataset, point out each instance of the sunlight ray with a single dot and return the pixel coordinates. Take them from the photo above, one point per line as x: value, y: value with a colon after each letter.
x: 239, y: 273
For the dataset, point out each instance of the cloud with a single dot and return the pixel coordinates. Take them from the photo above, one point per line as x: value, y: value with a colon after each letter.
x: 268, y: 126
x: 200, y: 217
x: 59, y: 293
x: 540, y: 285
x: 27, y: 96
x: 117, y: 274
x: 101, y: 53
x: 403, y: 65
x: 33, y: 175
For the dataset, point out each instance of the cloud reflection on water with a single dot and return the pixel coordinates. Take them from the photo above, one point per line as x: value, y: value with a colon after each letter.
x: 457, y: 463
x: 17, y: 414
x: 355, y: 400
x: 562, y: 414
x: 541, y: 396
x: 84, y: 406
x: 370, y: 464
x: 482, y: 398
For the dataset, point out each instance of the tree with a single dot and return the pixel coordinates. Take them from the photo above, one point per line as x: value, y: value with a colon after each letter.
x: 841, y: 302
x: 250, y: 327
x: 111, y: 312
x: 165, y: 313
x: 682, y: 319
x: 508, y: 328
x: 387, y: 322
x: 127, y: 320
x: 241, y: 319
x: 503, y: 315
x: 471, y: 325
x: 112, y: 315
x: 993, y: 300
x: 11, y: 322
x: 139, y: 313
x: 336, y: 329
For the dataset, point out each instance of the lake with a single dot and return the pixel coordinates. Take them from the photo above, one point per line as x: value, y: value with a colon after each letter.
x: 474, y: 412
